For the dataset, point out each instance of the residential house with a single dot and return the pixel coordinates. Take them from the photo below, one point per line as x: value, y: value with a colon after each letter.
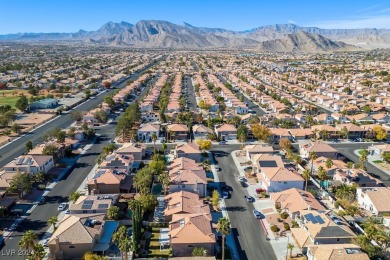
x: 321, y: 162
x: 226, y: 132
x: 118, y: 162
x: 31, y: 164
x: 188, y: 150
x: 355, y: 177
x: 354, y: 131
x: 132, y: 149
x: 178, y: 132
x: 188, y: 231
x: 90, y: 204
x: 77, y: 234
x: 254, y: 149
x: 320, y: 148
x: 273, y: 176
x: 375, y: 200
x: 201, y: 132
x: 146, y: 131
x: 335, y: 252
x: 110, y: 181
x: 184, y: 202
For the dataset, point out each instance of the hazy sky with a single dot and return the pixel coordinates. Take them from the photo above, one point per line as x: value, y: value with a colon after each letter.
x: 72, y: 15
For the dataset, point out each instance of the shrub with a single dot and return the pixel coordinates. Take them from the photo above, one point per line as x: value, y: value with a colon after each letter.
x: 294, y: 224
x: 198, y: 251
x: 341, y: 213
x: 263, y: 194
x: 286, y: 226
x: 284, y: 215
x: 337, y: 204
x: 274, y: 228
x: 277, y: 206
x: 41, y: 186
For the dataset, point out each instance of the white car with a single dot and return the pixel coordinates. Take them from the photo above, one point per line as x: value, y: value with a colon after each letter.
x: 62, y: 206
x: 240, y: 178
x: 257, y: 214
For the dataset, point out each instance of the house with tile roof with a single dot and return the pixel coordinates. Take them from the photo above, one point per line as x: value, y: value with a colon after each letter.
x: 89, y: 204
x: 31, y: 164
x: 336, y: 252
x: 320, y: 148
x: 354, y: 131
x: 188, y: 150
x: 177, y: 132
x: 201, y: 131
x: 187, y: 231
x: 375, y: 200
x: 136, y: 150
x: 110, y: 181
x: 253, y: 149
x: 293, y: 200
x: 184, y: 202
x: 77, y: 234
x: 357, y: 177
x: 118, y: 162
x: 226, y: 132
x: 146, y: 131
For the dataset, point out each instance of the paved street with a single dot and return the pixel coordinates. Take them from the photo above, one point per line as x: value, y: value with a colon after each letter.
x: 17, y: 147
x: 37, y: 220
x: 190, y: 94
x: 248, y: 232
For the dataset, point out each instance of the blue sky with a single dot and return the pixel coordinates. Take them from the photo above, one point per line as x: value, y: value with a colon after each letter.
x: 72, y: 15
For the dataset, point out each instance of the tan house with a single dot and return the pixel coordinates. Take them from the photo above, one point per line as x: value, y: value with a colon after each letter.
x: 253, y: 149
x: 320, y: 148
x: 31, y: 164
x: 134, y: 149
x: 91, y: 204
x: 177, y: 132
x: 110, y: 181
x: 336, y: 252
x: 226, y: 132
x: 201, y: 131
x: 188, y: 150
x: 187, y: 231
x: 76, y: 235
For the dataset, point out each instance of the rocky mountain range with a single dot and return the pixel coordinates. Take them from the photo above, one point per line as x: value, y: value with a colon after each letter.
x: 275, y: 38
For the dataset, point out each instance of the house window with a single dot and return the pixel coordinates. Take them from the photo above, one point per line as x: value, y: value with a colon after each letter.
x: 71, y: 247
x: 190, y: 246
x: 183, y: 186
x: 285, y: 182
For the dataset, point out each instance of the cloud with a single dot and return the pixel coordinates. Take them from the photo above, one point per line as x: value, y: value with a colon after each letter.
x: 291, y: 21
x: 382, y: 21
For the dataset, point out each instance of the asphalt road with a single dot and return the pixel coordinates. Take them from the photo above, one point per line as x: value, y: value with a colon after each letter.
x: 190, y: 94
x: 250, y: 103
x: 37, y: 220
x: 17, y: 147
x: 248, y: 232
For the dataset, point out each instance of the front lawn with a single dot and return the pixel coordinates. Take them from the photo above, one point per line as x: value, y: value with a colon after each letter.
x: 377, y: 161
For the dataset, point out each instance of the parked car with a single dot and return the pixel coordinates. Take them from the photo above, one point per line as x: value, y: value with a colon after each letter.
x: 13, y: 227
x: 359, y: 140
x: 218, y: 169
x: 257, y: 214
x: 222, y: 142
x: 249, y: 198
x: 62, y: 206
x: 243, y: 184
x: 248, y: 168
x: 44, y: 243
x: 240, y: 178
x: 225, y: 195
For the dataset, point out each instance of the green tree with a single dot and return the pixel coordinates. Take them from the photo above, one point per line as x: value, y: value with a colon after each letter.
x: 74, y: 196
x: 163, y: 178
x: 108, y: 149
x: 223, y: 227
x: 149, y: 202
x: 92, y: 256
x: 380, y: 133
x: 38, y: 252
x: 329, y: 163
x: 344, y: 132
x: 260, y: 132
x: 113, y: 213
x: 27, y: 241
x: 136, y: 207
x: 20, y: 183
x: 110, y: 101
x: 50, y: 149
x: 312, y: 157
x: 215, y: 198
x: 154, y: 139
x: 52, y: 221
x: 61, y: 135
x: 76, y: 115
x: 306, y: 176
x: 22, y: 103
x: 122, y: 239
x: 157, y: 166
x: 29, y: 146
x: 322, y: 175
x: 290, y: 247
x: 16, y: 128
x: 285, y: 144
x: 363, y: 158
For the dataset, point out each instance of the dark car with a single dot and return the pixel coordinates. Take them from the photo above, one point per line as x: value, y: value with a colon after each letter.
x: 249, y: 199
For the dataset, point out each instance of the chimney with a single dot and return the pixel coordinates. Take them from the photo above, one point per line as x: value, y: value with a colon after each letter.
x: 57, y: 245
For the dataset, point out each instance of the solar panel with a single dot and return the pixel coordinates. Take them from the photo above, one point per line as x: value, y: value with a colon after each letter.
x: 311, y: 218
x: 86, y: 206
x: 90, y: 202
x: 320, y: 220
x: 103, y: 206
x: 268, y: 164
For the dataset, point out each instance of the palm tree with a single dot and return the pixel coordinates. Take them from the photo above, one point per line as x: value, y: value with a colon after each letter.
x: 164, y: 179
x: 306, y: 176
x: 38, y: 253
x: 290, y: 247
x: 52, y: 221
x: 315, y: 131
x: 223, y: 227
x: 27, y: 241
x: 322, y: 175
x: 312, y: 157
x: 329, y: 163
x: 123, y: 241
x: 154, y: 139
x: 363, y: 158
